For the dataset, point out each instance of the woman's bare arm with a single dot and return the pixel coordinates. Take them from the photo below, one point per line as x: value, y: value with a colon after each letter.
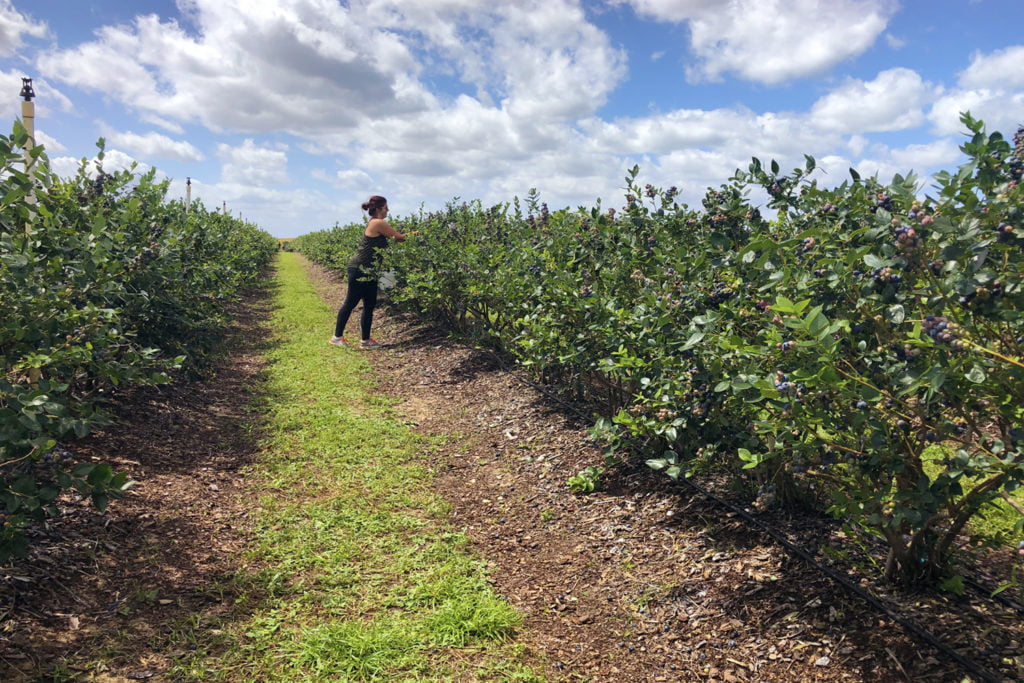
x: 379, y: 226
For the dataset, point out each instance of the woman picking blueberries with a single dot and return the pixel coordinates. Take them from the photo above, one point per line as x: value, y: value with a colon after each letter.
x: 363, y: 272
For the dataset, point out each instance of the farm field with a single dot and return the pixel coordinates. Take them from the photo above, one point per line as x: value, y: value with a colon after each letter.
x: 637, y: 581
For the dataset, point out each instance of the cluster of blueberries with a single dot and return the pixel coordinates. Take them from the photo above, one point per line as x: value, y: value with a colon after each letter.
x: 805, y: 246
x: 940, y: 329
x: 721, y: 293
x: 57, y: 456
x: 907, y: 239
x: 1016, y: 162
x: 886, y: 276
x: 882, y: 201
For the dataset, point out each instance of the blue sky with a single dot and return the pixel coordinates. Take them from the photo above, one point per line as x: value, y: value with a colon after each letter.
x: 292, y: 112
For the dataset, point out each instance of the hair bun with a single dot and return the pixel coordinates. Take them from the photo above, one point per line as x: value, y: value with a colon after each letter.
x: 374, y: 203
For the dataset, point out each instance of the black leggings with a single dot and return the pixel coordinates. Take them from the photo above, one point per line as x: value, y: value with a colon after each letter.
x: 357, y: 289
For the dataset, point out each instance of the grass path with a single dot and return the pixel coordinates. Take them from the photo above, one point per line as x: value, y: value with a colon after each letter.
x: 355, y: 575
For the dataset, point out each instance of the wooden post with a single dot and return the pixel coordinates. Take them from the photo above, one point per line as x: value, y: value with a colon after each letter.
x: 188, y: 194
x: 28, y: 118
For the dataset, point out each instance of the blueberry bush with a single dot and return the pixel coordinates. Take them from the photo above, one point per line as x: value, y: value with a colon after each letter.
x: 859, y: 350
x: 104, y: 284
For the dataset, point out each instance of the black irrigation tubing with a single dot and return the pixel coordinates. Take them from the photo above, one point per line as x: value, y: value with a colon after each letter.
x: 908, y: 625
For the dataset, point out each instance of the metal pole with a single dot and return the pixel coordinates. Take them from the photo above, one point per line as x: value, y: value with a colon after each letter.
x: 188, y: 194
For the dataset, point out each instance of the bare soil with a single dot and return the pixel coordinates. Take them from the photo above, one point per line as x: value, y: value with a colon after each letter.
x: 643, y: 580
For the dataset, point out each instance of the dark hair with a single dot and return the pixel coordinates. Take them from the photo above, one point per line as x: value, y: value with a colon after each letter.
x: 374, y: 204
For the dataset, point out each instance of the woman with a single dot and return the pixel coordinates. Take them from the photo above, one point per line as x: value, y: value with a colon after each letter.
x: 362, y: 272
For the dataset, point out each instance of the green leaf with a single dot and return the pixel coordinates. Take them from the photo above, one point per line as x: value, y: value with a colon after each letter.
x: 954, y: 584
x: 100, y: 500
x: 694, y: 339
x: 977, y: 374
x: 783, y: 305
x: 872, y: 261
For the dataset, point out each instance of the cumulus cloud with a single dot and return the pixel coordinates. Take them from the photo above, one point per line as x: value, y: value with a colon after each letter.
x: 13, y: 26
x: 350, y: 179
x: 113, y: 160
x: 155, y: 145
x: 991, y: 88
x: 316, y: 66
x: 1001, y: 69
x: 50, y: 145
x: 894, y: 100
x: 772, y: 41
x: 923, y: 157
x: 297, y: 65
x: 253, y: 165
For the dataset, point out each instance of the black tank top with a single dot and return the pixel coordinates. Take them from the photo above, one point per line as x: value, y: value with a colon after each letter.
x: 368, y: 251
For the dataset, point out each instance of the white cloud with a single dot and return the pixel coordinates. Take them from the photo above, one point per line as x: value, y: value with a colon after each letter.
x: 116, y: 160
x: 894, y: 100
x: 51, y: 145
x: 999, y: 110
x: 991, y: 88
x: 772, y: 41
x: 351, y: 77
x: 161, y: 122
x: 13, y: 26
x: 856, y: 144
x: 155, y: 145
x: 113, y: 160
x: 349, y: 179
x: 65, y: 166
x: 1002, y: 70
x: 252, y: 165
x: 296, y: 65
x: 942, y: 153
x: 895, y: 42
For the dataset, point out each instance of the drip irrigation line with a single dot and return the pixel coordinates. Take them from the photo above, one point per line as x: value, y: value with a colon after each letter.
x: 908, y: 625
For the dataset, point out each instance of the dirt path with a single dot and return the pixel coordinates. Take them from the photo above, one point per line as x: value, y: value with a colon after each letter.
x: 637, y: 582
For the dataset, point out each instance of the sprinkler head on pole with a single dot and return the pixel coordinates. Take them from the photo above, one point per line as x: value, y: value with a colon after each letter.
x: 26, y: 89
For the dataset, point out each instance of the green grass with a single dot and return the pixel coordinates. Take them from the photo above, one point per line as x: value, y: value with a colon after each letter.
x: 356, y: 575
x: 997, y: 520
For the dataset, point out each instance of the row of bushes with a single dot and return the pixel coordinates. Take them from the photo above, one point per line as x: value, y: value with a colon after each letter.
x: 104, y: 284
x: 861, y: 349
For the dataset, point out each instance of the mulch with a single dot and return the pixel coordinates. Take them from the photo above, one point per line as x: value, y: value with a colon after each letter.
x: 643, y: 580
